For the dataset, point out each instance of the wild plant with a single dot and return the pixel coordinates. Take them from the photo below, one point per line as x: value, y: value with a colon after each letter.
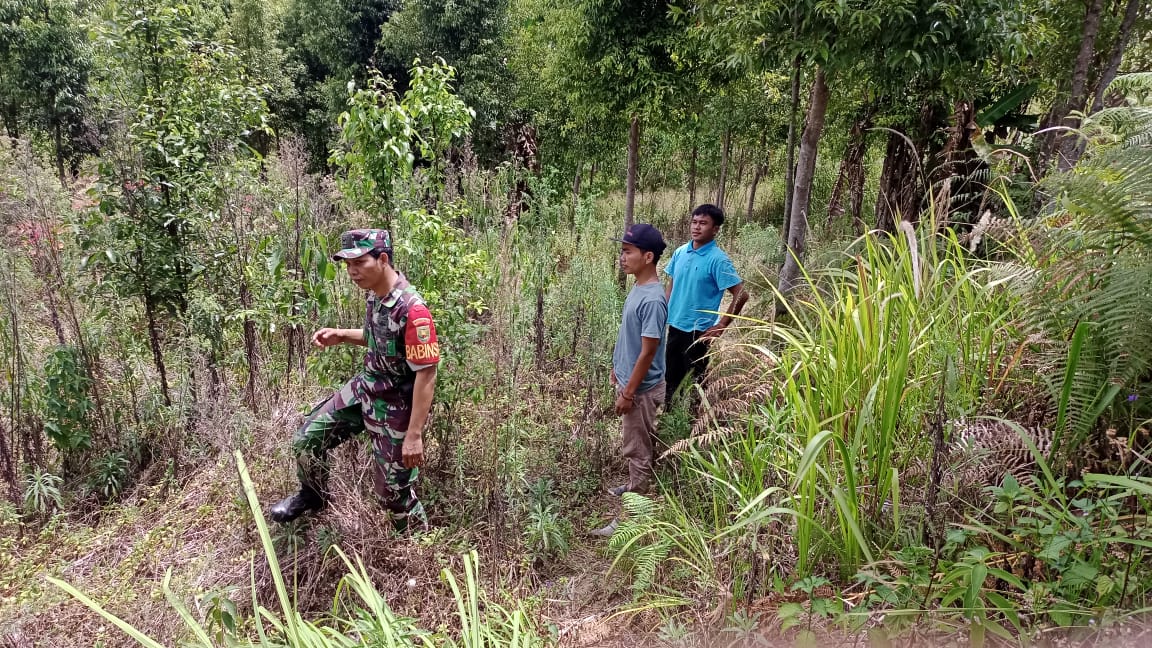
x: 110, y: 474
x: 857, y: 360
x: 821, y: 607
x: 41, y: 492
x: 641, y: 540
x: 655, y: 533
x: 1091, y: 284
x: 546, y: 532
x: 221, y: 616
x: 67, y: 404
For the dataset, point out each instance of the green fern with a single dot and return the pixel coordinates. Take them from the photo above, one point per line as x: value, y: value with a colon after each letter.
x: 640, y: 541
x: 1091, y: 301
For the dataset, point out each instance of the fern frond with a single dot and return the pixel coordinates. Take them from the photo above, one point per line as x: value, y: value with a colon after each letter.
x: 700, y: 440
x: 639, y: 507
x: 1095, y: 290
x: 1136, y: 83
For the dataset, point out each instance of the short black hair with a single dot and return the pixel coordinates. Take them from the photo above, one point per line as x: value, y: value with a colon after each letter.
x: 376, y: 252
x: 711, y: 211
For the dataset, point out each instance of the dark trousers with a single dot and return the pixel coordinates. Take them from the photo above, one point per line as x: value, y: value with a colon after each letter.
x: 684, y: 352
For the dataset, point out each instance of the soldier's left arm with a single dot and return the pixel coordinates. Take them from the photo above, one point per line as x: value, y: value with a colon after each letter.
x: 422, y: 393
x: 422, y: 350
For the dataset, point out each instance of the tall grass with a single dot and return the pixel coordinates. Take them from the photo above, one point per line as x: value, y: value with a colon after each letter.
x: 858, y: 364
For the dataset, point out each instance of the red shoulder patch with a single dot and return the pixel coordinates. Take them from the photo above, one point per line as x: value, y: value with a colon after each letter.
x: 420, y: 341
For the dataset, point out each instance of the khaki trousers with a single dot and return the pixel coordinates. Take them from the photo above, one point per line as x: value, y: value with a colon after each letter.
x: 638, y: 429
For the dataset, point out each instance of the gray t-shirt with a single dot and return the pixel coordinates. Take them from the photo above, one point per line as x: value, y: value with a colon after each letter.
x: 645, y: 315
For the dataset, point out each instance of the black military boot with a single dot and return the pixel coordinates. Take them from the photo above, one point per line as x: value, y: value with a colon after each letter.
x: 294, y: 506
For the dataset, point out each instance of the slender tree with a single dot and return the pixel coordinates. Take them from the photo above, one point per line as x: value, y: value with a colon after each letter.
x: 45, y: 62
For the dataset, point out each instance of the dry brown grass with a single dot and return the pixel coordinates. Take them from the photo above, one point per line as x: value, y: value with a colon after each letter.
x: 196, y: 523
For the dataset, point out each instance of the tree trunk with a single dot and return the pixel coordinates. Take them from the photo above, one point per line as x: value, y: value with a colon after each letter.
x: 790, y: 157
x: 757, y: 173
x: 856, y: 197
x: 12, y: 120
x: 58, y: 141
x: 576, y: 192
x: 759, y: 167
x: 805, y: 171
x: 1131, y: 13
x: 9, y: 466
x: 592, y: 175
x: 576, y: 183
x: 539, y: 325
x: 633, y: 163
x: 851, y: 166
x: 1057, y: 142
x: 1085, y: 55
x: 630, y: 186
x: 157, y: 352
x: 899, y: 183
x: 295, y: 333
x: 251, y: 352
x: 692, y: 178
x: 945, y: 176
x: 54, y: 314
x: 1073, y: 151
x: 725, y: 156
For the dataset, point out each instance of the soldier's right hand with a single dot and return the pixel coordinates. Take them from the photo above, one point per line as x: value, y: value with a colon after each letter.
x: 327, y: 337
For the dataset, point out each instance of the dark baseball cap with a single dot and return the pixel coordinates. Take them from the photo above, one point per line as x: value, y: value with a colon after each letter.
x: 358, y: 242
x: 645, y: 237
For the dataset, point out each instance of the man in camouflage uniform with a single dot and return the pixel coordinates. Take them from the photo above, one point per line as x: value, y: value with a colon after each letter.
x: 390, y: 398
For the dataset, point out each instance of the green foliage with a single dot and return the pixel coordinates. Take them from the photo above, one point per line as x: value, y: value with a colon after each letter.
x: 623, y: 50
x: 1048, y: 551
x: 45, y: 61
x: 453, y: 274
x: 641, y: 541
x: 327, y: 45
x: 895, y: 42
x: 253, y: 26
x: 820, y: 608
x: 221, y: 616
x: 189, y: 107
x: 1091, y: 290
x: 382, y: 135
x: 110, y: 474
x: 858, y: 342
x: 41, y: 492
x: 546, y: 532
x: 470, y: 36
x: 67, y: 404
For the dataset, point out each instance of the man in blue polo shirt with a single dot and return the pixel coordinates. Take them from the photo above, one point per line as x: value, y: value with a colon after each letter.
x: 699, y: 273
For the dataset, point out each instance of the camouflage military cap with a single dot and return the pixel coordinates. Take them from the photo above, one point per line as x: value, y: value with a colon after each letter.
x: 358, y: 242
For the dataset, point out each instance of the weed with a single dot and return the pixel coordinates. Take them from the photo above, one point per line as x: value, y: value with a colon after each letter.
x: 546, y: 533
x: 221, y: 617
x: 327, y: 538
x: 66, y: 401
x: 109, y: 474
x: 41, y: 493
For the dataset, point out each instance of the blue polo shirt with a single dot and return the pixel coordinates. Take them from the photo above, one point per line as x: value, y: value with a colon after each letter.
x: 699, y: 279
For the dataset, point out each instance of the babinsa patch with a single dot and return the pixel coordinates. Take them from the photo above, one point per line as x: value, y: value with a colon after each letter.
x: 423, y: 329
x: 420, y: 338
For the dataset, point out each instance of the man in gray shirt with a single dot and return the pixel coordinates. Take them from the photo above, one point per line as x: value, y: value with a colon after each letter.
x: 638, y: 359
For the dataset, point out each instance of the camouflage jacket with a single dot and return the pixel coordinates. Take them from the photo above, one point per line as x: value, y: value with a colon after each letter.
x: 401, y: 338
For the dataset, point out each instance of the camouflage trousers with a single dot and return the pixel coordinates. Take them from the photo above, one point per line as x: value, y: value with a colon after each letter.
x: 346, y: 413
